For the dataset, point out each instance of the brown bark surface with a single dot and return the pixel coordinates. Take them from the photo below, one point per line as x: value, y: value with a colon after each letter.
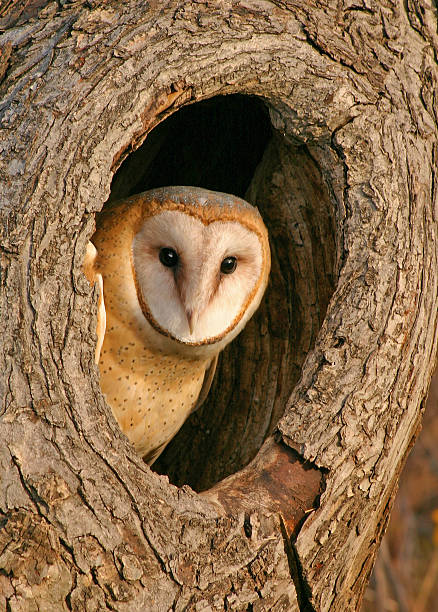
x: 330, y: 377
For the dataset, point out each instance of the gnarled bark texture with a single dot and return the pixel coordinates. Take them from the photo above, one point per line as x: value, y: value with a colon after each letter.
x: 322, y: 394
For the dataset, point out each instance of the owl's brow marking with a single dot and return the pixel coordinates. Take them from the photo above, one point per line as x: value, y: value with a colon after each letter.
x: 180, y: 278
x: 217, y: 282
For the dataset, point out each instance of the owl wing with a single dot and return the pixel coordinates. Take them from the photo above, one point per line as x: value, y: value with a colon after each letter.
x: 208, y: 379
x: 89, y: 268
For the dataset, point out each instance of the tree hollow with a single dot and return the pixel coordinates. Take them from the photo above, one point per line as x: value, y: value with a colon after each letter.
x: 228, y: 143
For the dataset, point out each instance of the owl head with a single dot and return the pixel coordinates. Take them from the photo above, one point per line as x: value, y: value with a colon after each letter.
x: 199, y: 262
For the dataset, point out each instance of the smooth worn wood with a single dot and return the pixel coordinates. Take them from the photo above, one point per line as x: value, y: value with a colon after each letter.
x: 276, y: 480
x: 328, y: 380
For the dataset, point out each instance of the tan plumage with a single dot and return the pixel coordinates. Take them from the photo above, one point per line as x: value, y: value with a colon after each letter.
x: 167, y: 322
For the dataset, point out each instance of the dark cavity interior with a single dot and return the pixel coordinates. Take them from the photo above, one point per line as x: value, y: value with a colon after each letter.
x: 228, y: 144
x: 215, y: 144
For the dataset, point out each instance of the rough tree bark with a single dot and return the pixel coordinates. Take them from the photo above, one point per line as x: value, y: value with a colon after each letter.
x: 344, y: 345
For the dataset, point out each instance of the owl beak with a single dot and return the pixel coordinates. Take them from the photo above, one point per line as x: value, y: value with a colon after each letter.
x: 190, y: 314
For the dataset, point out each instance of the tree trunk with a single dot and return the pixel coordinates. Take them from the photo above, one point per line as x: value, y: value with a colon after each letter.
x: 330, y: 110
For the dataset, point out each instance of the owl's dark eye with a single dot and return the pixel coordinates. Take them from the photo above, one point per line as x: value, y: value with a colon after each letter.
x: 168, y: 257
x: 228, y: 265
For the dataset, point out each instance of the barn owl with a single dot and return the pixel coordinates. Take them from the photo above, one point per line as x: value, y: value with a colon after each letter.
x: 181, y: 270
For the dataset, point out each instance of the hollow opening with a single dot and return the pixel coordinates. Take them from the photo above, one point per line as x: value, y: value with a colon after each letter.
x: 215, y: 144
x: 228, y: 144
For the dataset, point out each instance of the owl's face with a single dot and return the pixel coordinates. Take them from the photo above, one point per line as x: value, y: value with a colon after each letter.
x: 198, y: 281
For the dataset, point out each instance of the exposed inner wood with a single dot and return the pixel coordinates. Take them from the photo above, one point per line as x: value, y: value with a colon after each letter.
x: 277, y: 480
